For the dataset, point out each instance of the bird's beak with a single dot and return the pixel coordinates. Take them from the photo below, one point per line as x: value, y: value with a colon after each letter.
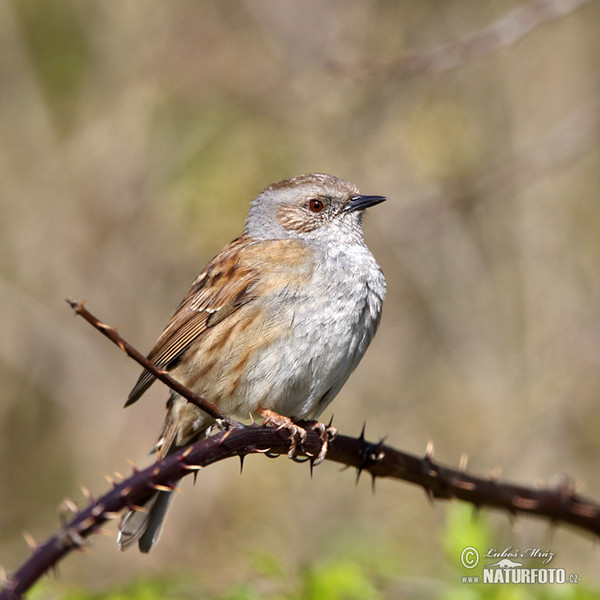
x: 361, y: 202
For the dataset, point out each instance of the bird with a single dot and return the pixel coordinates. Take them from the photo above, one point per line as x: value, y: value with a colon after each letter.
x: 274, y: 325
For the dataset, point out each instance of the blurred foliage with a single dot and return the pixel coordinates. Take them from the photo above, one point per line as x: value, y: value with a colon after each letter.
x: 132, y: 138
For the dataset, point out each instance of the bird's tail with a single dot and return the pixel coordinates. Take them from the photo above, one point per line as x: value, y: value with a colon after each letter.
x: 144, y: 526
x: 184, y: 423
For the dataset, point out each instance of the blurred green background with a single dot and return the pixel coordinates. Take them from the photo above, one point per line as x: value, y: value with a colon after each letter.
x: 132, y: 137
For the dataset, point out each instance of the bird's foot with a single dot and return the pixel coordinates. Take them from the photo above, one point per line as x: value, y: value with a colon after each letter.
x: 327, y: 434
x: 297, y: 433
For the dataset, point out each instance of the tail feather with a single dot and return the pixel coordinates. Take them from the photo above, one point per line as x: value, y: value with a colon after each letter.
x: 184, y: 423
x: 144, y: 526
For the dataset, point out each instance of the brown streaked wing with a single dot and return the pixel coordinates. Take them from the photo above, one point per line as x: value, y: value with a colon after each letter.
x: 214, y: 295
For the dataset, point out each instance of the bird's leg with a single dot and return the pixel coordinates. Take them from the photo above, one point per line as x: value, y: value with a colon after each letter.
x: 297, y: 433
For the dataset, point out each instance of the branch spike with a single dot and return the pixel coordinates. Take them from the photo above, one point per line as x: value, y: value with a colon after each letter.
x: 359, y: 471
x: 86, y: 494
x: 186, y: 453
x: 163, y: 488
x: 429, y: 495
x: 192, y: 467
x: 361, y: 437
x: 98, y: 510
x: 106, y: 532
x: 241, y: 457
x: 125, y: 491
x: 429, y: 451
x: 66, y: 509
x: 87, y: 523
x: 225, y: 436
x: 30, y: 540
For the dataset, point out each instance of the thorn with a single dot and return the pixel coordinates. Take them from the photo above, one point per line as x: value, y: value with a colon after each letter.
x: 361, y: 437
x: 132, y: 465
x: 252, y: 420
x: 429, y: 451
x: 106, y: 532
x: 225, y: 436
x: 33, y: 545
x: 68, y: 505
x: 241, y: 457
x: 330, y: 422
x: 525, y: 503
x: 156, y: 471
x: 86, y: 494
x: 161, y: 488
x: 111, y: 515
x: 118, y: 476
x: 3, y: 576
x: 373, y: 478
x: 98, y: 510
x: 359, y: 471
x: 192, y: 467
x: 125, y: 492
x: 67, y: 508
x: 462, y: 484
x: 87, y: 523
x: 186, y: 453
x: 429, y: 495
x: 110, y: 480
x: 463, y: 461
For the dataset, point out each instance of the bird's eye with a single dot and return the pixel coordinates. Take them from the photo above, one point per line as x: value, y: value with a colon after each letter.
x: 316, y: 205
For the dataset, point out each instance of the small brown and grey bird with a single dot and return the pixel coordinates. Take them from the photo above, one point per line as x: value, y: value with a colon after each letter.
x: 277, y: 321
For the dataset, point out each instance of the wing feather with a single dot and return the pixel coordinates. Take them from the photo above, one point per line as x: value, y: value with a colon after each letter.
x: 214, y: 295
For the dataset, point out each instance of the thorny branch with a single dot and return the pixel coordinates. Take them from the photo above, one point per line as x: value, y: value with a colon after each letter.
x: 559, y: 504
x: 499, y: 34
